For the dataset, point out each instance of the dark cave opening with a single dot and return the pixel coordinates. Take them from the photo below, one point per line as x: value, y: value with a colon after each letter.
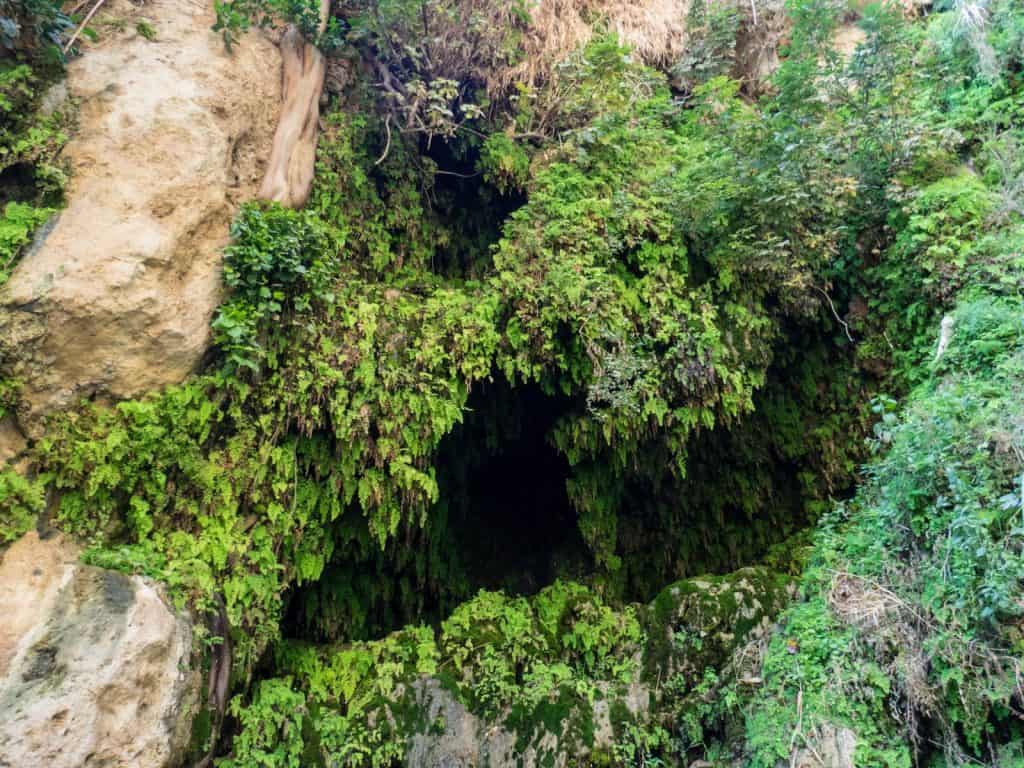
x: 472, y: 209
x: 503, y: 521
x: 504, y: 485
x: 18, y: 183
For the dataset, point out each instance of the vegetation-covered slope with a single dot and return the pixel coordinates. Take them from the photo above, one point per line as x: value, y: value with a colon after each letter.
x: 665, y: 305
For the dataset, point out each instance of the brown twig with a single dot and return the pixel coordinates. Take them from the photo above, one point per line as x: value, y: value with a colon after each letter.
x: 799, y: 726
x: 85, y: 21
x: 459, y: 175
x: 835, y: 314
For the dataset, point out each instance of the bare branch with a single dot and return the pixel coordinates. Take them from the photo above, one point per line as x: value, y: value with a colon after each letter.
x: 846, y: 326
x: 387, y: 147
x: 81, y: 27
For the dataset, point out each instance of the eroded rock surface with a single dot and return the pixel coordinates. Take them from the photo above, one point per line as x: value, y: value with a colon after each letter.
x: 94, y: 666
x: 116, y: 297
x: 456, y: 738
x: 700, y: 623
x: 834, y: 747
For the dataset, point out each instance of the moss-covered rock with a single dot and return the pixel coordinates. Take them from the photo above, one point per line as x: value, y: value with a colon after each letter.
x: 543, y: 681
x: 699, y: 623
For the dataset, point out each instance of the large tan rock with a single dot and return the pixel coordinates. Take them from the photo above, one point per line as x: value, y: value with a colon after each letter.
x: 829, y: 747
x: 95, y: 668
x: 116, y: 298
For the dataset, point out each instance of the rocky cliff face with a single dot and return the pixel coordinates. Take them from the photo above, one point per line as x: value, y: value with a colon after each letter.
x: 95, y: 668
x: 115, y: 299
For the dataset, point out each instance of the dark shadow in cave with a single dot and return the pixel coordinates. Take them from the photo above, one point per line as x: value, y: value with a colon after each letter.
x: 474, y: 210
x: 503, y: 521
x: 18, y: 183
x: 505, y: 488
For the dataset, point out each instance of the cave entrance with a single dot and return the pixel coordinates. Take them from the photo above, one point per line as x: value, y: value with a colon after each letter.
x: 503, y: 486
x: 503, y: 521
x: 473, y: 210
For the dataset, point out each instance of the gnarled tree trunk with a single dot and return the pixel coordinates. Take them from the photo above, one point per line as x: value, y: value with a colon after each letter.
x: 289, y: 176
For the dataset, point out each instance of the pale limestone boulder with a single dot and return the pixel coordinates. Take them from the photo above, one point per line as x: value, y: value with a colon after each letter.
x: 467, y: 741
x: 830, y: 747
x: 95, y: 667
x: 115, y: 297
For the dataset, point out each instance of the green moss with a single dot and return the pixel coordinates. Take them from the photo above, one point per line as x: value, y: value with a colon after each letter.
x: 698, y: 623
x: 22, y: 501
x: 564, y: 715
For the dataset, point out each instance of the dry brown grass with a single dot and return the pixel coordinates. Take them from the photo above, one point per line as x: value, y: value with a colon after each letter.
x: 861, y: 604
x: 505, y: 47
x: 656, y: 30
x: 906, y: 644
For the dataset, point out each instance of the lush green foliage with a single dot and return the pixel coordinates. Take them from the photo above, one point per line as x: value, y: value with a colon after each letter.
x: 909, y: 634
x: 21, y: 502
x: 36, y: 25
x: 235, y: 17
x: 30, y: 142
x: 271, y: 728
x: 522, y: 660
x: 543, y: 668
x: 923, y: 564
x: 635, y: 281
x: 711, y: 51
x: 702, y: 292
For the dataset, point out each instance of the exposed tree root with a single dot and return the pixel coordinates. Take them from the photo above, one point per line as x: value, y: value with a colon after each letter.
x: 218, y: 680
x: 289, y: 176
